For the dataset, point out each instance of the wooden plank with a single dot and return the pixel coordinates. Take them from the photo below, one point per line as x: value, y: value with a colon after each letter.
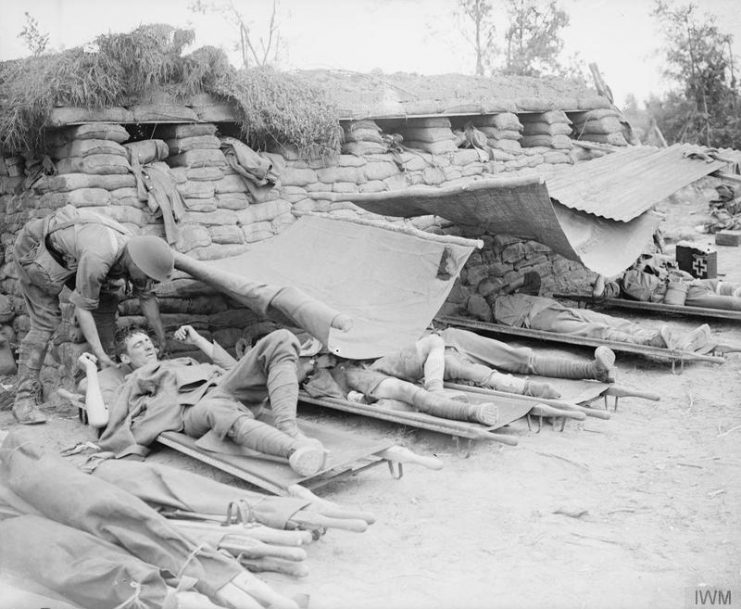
x: 656, y: 307
x: 670, y: 354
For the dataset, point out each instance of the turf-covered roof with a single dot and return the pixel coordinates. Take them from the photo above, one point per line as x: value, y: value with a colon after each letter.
x: 118, y: 68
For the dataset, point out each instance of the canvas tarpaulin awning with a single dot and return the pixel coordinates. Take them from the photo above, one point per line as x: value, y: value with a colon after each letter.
x: 390, y: 280
x: 566, y: 215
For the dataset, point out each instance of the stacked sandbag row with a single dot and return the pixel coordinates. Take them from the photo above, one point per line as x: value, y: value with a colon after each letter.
x: 93, y: 171
x: 601, y: 125
x: 433, y: 135
x: 503, y: 134
x: 225, y: 212
x: 502, y: 260
x: 363, y: 137
x: 198, y: 167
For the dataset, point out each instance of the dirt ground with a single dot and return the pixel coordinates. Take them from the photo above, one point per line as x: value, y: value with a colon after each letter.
x: 633, y: 512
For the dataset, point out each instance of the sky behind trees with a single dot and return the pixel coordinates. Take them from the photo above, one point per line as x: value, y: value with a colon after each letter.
x: 423, y: 36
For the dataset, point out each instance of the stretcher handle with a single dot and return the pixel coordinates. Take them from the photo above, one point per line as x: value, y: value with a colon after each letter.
x: 401, y: 454
x: 621, y: 391
x: 329, y: 508
x: 543, y: 410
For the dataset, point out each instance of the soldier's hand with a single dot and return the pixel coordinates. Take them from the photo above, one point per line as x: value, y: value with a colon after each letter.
x: 106, y: 362
x: 186, y: 334
x: 87, y: 362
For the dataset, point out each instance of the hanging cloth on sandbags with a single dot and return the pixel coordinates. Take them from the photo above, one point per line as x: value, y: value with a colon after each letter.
x: 165, y: 197
x: 256, y: 170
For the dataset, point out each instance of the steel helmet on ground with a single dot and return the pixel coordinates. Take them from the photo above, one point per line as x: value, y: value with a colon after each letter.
x: 152, y: 255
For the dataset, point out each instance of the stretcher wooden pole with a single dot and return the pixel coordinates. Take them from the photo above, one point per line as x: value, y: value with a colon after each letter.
x: 276, y: 565
x: 329, y: 508
x: 590, y: 412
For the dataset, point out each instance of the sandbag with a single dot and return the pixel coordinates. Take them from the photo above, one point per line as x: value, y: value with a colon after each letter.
x: 196, y: 190
x: 554, y: 141
x: 91, y: 131
x: 99, y: 164
x: 83, y: 148
x: 596, y: 114
x: 543, y: 128
x: 504, y: 120
x: 614, y: 139
x: 73, y: 181
x: 197, y: 142
x: 428, y: 134
x: 552, y: 116
x: 230, y: 183
x: 506, y: 145
x: 360, y: 149
x: 440, y: 147
x: 147, y: 151
x: 604, y: 125
x: 500, y: 134
x: 82, y: 197
x: 429, y: 122
x: 198, y: 158
x: 226, y: 234
x: 232, y: 200
x: 167, y: 132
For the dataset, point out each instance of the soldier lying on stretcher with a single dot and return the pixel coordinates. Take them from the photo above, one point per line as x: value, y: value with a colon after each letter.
x: 145, y: 396
x: 454, y: 355
x: 650, y: 278
x: 525, y: 309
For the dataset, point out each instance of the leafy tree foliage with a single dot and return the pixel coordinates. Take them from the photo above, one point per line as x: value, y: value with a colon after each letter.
x: 534, y: 37
x: 479, y: 12
x: 704, y: 107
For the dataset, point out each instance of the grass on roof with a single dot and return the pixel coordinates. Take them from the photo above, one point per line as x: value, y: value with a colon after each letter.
x: 121, y: 69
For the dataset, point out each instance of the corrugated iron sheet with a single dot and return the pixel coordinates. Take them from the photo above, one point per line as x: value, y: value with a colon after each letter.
x: 624, y: 184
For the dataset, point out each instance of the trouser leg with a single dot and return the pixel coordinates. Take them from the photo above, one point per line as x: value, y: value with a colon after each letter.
x: 105, y: 320
x: 433, y: 403
x: 458, y: 368
x: 269, y: 369
x: 32, y: 352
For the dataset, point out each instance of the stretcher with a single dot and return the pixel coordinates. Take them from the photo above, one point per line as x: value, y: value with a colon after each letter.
x: 674, y: 356
x: 397, y: 412
x: 348, y: 453
x: 584, y: 300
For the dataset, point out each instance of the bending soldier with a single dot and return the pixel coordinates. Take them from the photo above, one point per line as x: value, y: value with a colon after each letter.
x: 88, y: 253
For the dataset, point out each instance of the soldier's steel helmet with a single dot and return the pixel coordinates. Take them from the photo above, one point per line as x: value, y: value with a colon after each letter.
x: 152, y: 255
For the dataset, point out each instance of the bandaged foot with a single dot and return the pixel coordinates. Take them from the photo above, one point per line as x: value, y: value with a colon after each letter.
x: 308, y: 458
x: 540, y: 390
x: 604, y: 365
x: 686, y: 341
x: 486, y: 414
x: 342, y: 322
x: 599, y: 287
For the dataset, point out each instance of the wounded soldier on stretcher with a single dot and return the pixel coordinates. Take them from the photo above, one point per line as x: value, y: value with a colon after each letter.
x: 145, y: 396
x: 525, y: 309
x: 453, y: 355
x: 657, y: 278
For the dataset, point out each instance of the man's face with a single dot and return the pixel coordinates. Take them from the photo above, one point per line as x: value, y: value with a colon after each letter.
x: 139, y: 351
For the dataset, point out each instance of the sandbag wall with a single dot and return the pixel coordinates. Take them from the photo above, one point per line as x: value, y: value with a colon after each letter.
x: 222, y: 213
x: 96, y: 169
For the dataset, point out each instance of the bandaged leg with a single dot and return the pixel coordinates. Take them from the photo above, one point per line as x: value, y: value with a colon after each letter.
x: 601, y: 368
x: 283, y: 393
x: 431, y: 349
x: 305, y: 456
x: 457, y: 368
x: 650, y: 338
x: 435, y: 403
